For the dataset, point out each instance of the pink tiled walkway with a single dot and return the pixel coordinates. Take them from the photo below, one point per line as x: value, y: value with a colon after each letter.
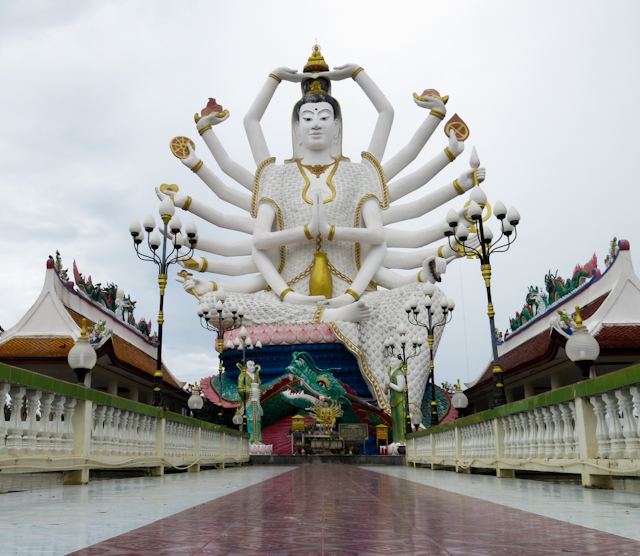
x: 334, y: 510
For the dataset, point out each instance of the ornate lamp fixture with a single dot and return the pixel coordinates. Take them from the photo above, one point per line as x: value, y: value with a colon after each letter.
x: 582, y: 348
x: 82, y: 357
x: 459, y: 400
x: 163, y: 261
x: 403, y: 355
x: 195, y: 401
x: 413, y: 309
x: 478, y: 241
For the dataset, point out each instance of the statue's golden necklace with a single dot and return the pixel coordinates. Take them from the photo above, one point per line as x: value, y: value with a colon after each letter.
x: 318, y: 170
x: 308, y: 183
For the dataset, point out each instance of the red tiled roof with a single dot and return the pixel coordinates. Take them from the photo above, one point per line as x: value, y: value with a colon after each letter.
x: 620, y: 339
x: 590, y: 309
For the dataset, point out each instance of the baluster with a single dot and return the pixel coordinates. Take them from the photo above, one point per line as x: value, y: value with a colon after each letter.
x: 519, y: 446
x: 31, y: 426
x: 548, y: 432
x: 602, y: 430
x: 16, y: 425
x: 57, y: 425
x: 68, y: 410
x: 45, y: 425
x: 628, y: 422
x: 108, y: 443
x: 613, y: 422
x: 153, y: 425
x: 97, y: 434
x: 529, y: 444
x: 558, y: 442
x: 510, y: 433
x: 536, y: 419
x: 635, y: 392
x: 4, y: 424
x: 125, y: 433
x: 567, y: 430
x: 116, y: 431
x: 136, y: 437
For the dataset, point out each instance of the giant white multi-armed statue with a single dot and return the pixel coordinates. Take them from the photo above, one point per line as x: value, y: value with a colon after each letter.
x: 321, y: 249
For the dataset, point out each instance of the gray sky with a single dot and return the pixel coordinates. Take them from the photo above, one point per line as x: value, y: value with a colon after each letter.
x: 92, y: 92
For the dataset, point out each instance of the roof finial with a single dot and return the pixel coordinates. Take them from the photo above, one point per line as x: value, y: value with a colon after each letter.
x: 579, y: 318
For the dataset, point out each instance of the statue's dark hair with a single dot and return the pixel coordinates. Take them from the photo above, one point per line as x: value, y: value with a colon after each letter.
x: 308, y: 98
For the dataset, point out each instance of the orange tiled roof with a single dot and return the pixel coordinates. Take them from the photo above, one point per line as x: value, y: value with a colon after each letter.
x: 24, y: 348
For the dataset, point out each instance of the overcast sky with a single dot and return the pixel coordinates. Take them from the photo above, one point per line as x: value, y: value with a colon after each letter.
x: 92, y: 92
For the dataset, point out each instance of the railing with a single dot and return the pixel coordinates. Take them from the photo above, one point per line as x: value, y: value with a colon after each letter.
x: 590, y: 428
x: 58, y: 426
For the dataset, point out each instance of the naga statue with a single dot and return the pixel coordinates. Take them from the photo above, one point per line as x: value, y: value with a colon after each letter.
x: 320, y: 245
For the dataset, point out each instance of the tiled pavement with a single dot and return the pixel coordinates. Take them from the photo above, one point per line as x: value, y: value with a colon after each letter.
x: 346, y: 510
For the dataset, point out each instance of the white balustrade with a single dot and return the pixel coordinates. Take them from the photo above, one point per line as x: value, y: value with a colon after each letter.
x: 602, y: 439
x: 40, y: 434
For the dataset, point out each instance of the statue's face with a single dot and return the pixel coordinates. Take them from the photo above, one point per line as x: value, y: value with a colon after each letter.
x: 317, y: 126
x: 250, y: 365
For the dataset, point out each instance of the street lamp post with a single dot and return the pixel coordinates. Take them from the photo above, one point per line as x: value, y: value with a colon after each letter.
x: 412, y: 309
x: 581, y: 347
x: 482, y: 246
x: 205, y: 318
x: 195, y: 401
x: 403, y: 355
x: 163, y: 261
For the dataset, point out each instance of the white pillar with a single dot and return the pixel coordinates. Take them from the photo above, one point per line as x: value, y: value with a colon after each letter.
x: 112, y: 386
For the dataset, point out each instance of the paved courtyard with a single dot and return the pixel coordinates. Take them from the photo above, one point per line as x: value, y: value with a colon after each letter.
x: 318, y: 510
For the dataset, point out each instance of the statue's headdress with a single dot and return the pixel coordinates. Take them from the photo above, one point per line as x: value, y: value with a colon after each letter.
x: 316, y: 62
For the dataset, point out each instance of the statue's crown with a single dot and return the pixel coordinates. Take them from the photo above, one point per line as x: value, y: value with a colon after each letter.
x: 316, y: 62
x: 316, y: 87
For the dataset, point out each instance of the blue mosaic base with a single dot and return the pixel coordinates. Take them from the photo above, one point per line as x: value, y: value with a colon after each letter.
x: 273, y: 361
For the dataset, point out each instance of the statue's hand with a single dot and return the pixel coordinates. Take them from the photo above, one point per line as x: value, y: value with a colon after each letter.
x: 340, y: 301
x: 432, y: 269
x: 455, y: 146
x: 192, y: 159
x: 200, y: 285
x: 340, y: 72
x: 214, y: 118
x: 466, y: 178
x: 178, y: 200
x: 299, y: 299
x: 318, y: 204
x: 194, y: 263
x: 316, y: 211
x: 431, y: 103
x: 287, y: 74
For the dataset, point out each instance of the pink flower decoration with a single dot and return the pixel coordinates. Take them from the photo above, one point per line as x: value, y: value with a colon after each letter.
x: 289, y: 337
x: 265, y: 339
x: 276, y: 339
x: 303, y: 337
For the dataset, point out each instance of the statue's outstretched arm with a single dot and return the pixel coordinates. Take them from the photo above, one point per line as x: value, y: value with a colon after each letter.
x: 432, y: 200
x: 433, y: 267
x: 226, y: 221
x: 202, y: 285
x: 230, y: 167
x: 372, y: 234
x: 408, y: 154
x: 252, y: 125
x: 223, y: 191
x: 264, y: 223
x: 264, y: 238
x: 414, y: 259
x: 417, y: 179
x: 412, y: 239
x: 382, y: 105
x: 224, y: 248
x: 369, y: 266
x: 237, y: 267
